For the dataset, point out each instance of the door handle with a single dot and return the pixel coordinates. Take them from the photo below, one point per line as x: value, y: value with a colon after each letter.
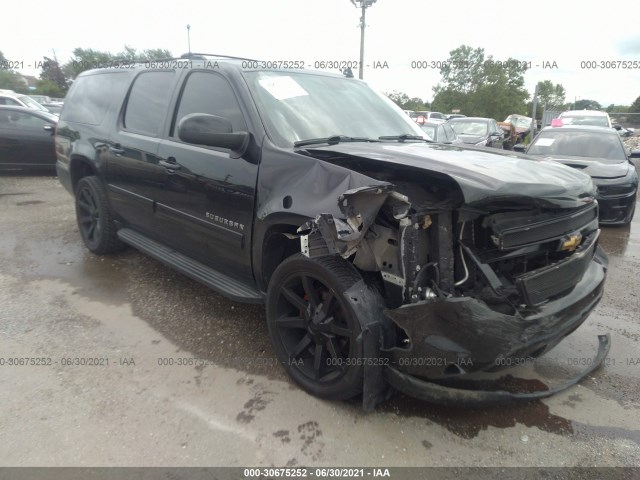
x: 170, y: 164
x: 116, y: 150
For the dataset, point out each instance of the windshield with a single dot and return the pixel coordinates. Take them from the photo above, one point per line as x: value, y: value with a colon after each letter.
x: 300, y: 106
x: 596, y: 145
x: 595, y: 120
x: 31, y: 103
x: 522, y: 122
x: 470, y: 127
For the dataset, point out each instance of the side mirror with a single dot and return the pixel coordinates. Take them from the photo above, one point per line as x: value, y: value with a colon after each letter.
x: 635, y: 154
x: 519, y: 147
x: 213, y: 131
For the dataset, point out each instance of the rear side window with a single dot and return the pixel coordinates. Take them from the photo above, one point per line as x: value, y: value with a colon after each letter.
x: 91, y: 96
x: 148, y: 100
x: 9, y: 101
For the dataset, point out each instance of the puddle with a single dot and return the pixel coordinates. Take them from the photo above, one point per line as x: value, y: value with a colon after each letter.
x: 468, y: 422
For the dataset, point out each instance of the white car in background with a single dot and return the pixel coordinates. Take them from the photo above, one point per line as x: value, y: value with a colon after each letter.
x: 19, y: 100
x: 595, y: 118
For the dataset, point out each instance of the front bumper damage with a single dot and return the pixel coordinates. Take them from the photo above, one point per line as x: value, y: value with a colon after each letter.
x: 447, y: 338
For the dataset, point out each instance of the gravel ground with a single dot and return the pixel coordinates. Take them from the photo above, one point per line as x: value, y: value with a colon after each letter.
x: 60, y: 302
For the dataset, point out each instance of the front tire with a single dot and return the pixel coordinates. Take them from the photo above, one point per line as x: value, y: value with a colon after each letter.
x: 314, y: 329
x: 94, y: 217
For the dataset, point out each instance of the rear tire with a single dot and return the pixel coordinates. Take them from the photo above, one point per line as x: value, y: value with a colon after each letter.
x: 94, y: 217
x: 313, y: 327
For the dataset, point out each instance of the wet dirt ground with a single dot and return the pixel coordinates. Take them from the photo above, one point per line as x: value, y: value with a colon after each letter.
x: 100, y: 391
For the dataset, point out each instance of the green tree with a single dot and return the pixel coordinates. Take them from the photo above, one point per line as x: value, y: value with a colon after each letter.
x: 53, y: 76
x: 405, y: 102
x: 47, y: 87
x: 635, y: 106
x: 550, y: 96
x: 612, y: 108
x: 9, y: 79
x: 586, y: 104
x: 479, y: 85
x: 85, y: 59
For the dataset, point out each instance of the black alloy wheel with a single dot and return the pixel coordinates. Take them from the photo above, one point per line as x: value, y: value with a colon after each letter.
x: 313, y: 327
x: 94, y: 218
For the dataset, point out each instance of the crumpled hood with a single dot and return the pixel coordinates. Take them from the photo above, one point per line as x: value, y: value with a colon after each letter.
x: 592, y: 167
x: 480, y: 173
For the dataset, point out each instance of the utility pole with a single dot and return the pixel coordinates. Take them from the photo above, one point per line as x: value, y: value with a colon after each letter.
x: 363, y: 5
x: 533, y: 113
x: 189, y: 37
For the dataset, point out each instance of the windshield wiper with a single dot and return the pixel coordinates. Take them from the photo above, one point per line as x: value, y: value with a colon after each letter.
x: 403, y: 137
x: 332, y: 140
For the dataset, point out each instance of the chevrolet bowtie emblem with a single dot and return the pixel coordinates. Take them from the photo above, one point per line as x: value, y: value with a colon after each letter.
x: 570, y: 243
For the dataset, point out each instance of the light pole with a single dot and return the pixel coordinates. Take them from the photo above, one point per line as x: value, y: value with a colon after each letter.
x: 363, y: 5
x: 189, y: 37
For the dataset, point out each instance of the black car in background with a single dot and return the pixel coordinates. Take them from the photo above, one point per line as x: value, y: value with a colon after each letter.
x: 482, y: 132
x: 440, y: 132
x: 598, y: 152
x: 26, y: 138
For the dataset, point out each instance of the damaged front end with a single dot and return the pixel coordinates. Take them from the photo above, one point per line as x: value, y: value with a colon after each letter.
x: 466, y: 288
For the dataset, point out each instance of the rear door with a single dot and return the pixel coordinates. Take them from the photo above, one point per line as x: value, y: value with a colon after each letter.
x: 205, y: 198
x: 131, y: 154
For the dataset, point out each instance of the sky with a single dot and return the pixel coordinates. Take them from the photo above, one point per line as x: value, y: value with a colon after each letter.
x: 399, y: 32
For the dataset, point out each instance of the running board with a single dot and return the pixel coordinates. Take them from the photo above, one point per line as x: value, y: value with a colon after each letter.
x: 221, y: 283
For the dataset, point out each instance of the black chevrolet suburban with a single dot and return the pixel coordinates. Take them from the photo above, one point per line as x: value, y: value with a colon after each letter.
x: 385, y: 261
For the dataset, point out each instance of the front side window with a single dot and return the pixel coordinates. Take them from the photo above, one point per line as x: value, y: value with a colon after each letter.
x: 210, y: 93
x: 148, y: 101
x: 24, y: 121
x: 449, y: 133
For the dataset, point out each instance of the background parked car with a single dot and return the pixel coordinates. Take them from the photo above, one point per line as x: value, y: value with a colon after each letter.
x: 421, y: 116
x: 440, y: 132
x: 600, y: 153
x: 586, y: 117
x: 26, y: 139
x: 454, y: 115
x: 41, y: 99
x: 483, y: 132
x: 19, y: 100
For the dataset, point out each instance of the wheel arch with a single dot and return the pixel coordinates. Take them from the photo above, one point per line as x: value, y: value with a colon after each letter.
x: 79, y: 167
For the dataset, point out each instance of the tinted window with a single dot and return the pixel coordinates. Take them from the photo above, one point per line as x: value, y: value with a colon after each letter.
x: 147, y: 105
x: 91, y: 96
x: 22, y: 121
x: 209, y: 93
x: 9, y: 101
x: 437, y: 115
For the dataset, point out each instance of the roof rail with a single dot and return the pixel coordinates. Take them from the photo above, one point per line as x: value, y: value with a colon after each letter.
x: 193, y: 54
